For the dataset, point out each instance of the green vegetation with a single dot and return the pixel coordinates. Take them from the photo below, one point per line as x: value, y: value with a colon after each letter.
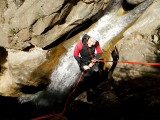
x: 12, y: 31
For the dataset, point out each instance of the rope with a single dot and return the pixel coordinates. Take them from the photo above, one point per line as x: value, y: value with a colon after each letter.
x: 158, y: 64
x: 90, y: 52
x: 55, y: 114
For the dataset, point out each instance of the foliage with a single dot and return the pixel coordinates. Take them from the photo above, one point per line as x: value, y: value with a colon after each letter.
x: 12, y: 31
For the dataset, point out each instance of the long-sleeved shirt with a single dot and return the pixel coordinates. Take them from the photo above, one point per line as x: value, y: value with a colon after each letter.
x: 86, y: 53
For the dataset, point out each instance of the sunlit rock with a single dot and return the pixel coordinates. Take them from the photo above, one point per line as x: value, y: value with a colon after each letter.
x: 19, y: 41
x: 4, y: 38
x: 136, y: 48
x: 47, y: 20
x: 22, y: 69
x: 140, y: 44
x: 148, y: 22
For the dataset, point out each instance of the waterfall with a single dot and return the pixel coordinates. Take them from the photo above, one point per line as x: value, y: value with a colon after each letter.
x: 109, y: 27
x: 66, y: 73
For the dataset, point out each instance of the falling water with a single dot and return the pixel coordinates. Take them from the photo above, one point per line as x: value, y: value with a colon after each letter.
x: 66, y: 73
x: 112, y: 26
x: 68, y: 70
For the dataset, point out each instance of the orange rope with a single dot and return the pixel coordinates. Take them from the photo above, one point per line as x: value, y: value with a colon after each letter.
x: 130, y: 62
x: 51, y: 115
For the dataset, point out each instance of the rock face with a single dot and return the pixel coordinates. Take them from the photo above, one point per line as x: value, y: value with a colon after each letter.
x: 140, y: 44
x: 4, y: 39
x: 148, y: 22
x: 32, y: 23
x: 19, y: 68
x: 136, y: 48
x: 137, y: 85
x: 28, y: 26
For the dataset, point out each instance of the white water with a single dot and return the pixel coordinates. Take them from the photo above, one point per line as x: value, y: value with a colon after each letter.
x: 66, y: 73
x: 109, y: 27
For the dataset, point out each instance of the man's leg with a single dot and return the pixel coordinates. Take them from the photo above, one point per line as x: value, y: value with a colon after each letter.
x: 87, y: 73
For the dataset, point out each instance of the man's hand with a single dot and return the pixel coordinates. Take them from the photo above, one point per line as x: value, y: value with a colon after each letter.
x: 93, y: 61
x: 86, y: 67
x: 91, y: 64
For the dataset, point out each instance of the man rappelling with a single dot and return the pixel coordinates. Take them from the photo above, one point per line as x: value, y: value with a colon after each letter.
x: 85, y: 55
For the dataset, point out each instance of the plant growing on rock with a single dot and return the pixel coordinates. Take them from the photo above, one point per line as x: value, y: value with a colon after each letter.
x: 12, y: 31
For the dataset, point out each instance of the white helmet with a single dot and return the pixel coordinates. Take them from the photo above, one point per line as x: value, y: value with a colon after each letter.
x: 95, y: 35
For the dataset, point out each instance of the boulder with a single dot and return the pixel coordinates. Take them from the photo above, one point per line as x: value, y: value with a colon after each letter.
x: 22, y: 69
x: 136, y: 48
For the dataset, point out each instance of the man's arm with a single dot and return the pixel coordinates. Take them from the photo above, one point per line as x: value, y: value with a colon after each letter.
x: 77, y: 50
x: 99, y: 51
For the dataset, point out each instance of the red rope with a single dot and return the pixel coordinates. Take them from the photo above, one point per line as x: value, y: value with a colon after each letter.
x: 51, y: 115
x: 90, y: 52
x: 130, y: 62
x: 55, y: 114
